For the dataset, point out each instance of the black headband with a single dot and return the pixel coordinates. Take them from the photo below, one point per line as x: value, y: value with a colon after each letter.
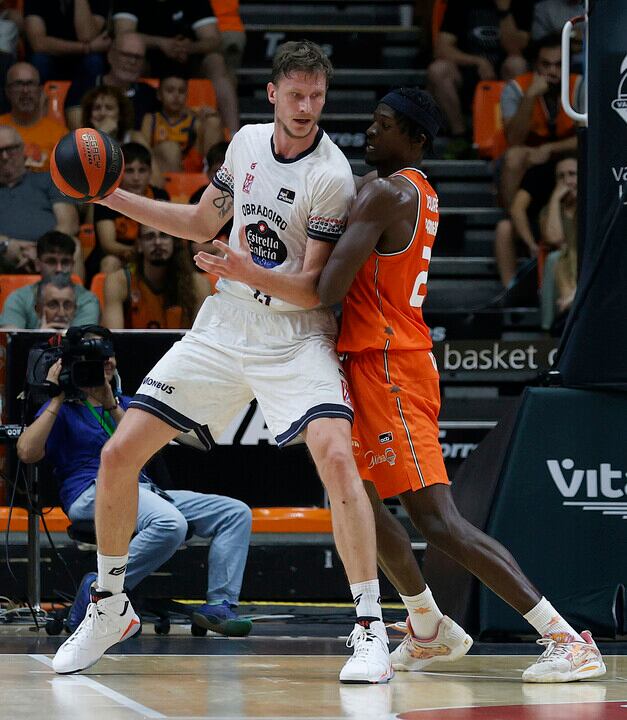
x: 405, y: 106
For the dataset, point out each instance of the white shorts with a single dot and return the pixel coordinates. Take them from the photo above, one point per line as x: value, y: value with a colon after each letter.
x: 237, y: 351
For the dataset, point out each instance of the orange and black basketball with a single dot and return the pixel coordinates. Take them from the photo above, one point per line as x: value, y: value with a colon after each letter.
x: 87, y: 165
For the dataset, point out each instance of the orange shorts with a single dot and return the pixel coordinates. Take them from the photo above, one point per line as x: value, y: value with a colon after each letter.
x: 396, y: 396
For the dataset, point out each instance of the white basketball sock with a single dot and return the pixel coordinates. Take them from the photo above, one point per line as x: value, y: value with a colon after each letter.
x: 367, y: 599
x: 111, y: 572
x: 547, y: 621
x: 424, y: 614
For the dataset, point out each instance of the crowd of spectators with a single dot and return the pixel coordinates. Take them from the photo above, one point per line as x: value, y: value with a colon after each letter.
x: 125, y: 66
x: 129, y: 64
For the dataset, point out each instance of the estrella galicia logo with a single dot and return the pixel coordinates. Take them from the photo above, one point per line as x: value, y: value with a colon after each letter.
x: 386, y: 437
x: 620, y: 103
x: 167, y: 389
x: 286, y: 196
x: 266, y: 248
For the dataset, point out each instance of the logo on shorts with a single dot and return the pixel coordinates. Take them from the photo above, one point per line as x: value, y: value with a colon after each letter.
x: 389, y: 456
x: 386, y: 437
x: 248, y: 183
x: 167, y: 389
x: 286, y: 196
x: 356, y: 446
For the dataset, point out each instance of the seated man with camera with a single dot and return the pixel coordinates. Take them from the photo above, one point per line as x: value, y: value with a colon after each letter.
x: 70, y: 431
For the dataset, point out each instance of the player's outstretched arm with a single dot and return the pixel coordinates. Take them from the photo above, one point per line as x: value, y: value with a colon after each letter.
x: 373, y: 211
x: 296, y: 288
x: 199, y: 223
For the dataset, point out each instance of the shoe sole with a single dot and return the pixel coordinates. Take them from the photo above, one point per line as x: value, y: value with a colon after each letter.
x: 421, y: 664
x: 567, y: 677
x: 380, y: 681
x: 230, y: 628
x: 135, y: 630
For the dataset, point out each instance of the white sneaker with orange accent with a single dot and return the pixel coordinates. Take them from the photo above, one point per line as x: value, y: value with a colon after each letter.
x: 370, y: 662
x: 566, y: 659
x: 109, y: 619
x: 449, y: 643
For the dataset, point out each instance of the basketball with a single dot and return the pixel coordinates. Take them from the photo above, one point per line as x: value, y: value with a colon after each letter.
x: 86, y: 165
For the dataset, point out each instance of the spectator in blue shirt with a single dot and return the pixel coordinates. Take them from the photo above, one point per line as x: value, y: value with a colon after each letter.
x: 71, y: 433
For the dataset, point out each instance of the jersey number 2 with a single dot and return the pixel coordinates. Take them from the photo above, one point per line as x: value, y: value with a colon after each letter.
x: 415, y: 299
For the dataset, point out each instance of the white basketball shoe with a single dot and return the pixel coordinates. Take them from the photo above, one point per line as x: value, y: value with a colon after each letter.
x: 566, y: 659
x: 109, y: 619
x: 449, y: 643
x: 370, y: 662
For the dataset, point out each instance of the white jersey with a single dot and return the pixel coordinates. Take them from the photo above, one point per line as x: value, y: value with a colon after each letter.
x: 283, y: 202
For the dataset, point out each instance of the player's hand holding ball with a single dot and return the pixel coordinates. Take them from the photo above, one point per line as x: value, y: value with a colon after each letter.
x: 87, y: 165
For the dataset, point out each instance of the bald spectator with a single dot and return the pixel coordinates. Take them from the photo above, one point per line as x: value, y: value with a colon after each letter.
x: 30, y: 206
x: 67, y: 38
x: 126, y: 63
x: 39, y: 132
x: 182, y: 37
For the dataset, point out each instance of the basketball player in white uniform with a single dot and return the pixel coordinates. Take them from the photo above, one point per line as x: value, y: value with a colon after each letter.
x: 288, y: 189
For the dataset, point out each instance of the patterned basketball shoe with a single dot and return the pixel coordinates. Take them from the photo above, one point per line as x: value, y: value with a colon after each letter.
x: 370, y: 662
x: 109, y: 620
x: 449, y: 643
x: 566, y: 659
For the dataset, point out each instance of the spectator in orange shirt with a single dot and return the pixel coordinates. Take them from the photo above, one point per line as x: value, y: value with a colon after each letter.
x: 160, y: 290
x: 39, y: 132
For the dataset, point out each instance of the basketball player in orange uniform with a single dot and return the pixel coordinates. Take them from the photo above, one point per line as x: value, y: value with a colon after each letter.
x: 379, y: 268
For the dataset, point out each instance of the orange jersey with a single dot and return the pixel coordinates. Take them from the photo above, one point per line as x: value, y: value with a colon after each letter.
x: 39, y: 140
x: 181, y: 131
x: 383, y: 308
x: 542, y: 129
x: 146, y: 309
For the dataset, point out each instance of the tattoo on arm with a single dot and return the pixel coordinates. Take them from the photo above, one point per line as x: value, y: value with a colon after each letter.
x: 223, y: 204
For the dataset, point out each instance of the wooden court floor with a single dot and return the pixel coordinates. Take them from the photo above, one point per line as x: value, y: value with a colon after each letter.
x: 291, y: 683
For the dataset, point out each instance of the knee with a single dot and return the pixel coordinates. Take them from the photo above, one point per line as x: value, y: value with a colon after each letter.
x: 504, y: 233
x: 110, y: 263
x: 513, y: 66
x: 241, y: 516
x: 172, y: 529
x: 117, y: 458
x: 514, y: 158
x: 440, y: 71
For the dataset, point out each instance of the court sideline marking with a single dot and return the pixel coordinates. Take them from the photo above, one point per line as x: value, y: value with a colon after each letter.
x: 103, y: 690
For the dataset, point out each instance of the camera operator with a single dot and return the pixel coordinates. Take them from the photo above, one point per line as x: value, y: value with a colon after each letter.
x: 70, y: 435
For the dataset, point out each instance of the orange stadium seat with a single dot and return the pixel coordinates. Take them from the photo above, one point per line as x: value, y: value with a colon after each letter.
x: 181, y: 186
x: 55, y: 92
x: 9, y: 283
x: 97, y: 287
x: 199, y: 91
x: 437, y: 16
x: 265, y: 520
x: 487, y: 122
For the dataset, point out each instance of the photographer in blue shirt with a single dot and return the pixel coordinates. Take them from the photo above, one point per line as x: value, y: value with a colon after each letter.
x: 71, y: 433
